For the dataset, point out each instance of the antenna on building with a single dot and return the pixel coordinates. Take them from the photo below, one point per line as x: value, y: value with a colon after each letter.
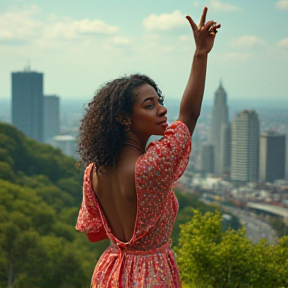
x: 27, y: 67
x: 220, y: 83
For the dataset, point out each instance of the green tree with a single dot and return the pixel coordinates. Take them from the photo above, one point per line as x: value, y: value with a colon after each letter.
x: 6, y: 172
x: 39, y: 203
x: 208, y: 257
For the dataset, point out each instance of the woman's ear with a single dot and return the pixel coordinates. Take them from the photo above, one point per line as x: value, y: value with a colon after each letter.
x: 124, y: 119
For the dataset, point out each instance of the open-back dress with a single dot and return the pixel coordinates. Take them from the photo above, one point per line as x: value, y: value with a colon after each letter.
x: 147, y: 259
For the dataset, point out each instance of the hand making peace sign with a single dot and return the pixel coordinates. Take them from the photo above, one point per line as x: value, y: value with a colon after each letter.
x: 204, y: 33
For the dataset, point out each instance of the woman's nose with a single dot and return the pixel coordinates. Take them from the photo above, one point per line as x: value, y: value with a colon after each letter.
x: 162, y: 110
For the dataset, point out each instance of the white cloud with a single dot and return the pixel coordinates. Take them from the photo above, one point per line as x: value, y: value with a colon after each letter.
x: 236, y: 56
x: 71, y: 29
x: 221, y: 6
x: 283, y: 43
x: 151, y: 37
x: 20, y: 26
x: 185, y: 38
x: 247, y: 41
x: 164, y: 22
x: 120, y: 41
x: 282, y: 4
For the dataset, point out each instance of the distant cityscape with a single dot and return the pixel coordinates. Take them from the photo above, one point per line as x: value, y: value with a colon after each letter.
x: 38, y: 115
x: 242, y: 162
x: 239, y: 153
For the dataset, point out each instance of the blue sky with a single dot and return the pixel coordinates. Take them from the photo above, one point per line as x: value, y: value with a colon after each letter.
x: 79, y: 45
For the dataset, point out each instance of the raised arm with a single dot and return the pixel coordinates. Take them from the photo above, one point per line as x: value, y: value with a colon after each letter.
x: 204, y: 35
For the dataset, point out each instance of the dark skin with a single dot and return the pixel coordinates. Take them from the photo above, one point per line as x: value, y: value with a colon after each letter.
x: 115, y: 188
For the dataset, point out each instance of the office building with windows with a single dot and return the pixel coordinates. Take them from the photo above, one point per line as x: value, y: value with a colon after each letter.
x: 245, y: 147
x: 272, y: 156
x: 27, y: 103
x: 51, y: 121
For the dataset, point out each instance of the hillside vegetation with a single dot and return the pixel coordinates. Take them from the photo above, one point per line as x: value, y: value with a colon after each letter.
x: 40, y: 195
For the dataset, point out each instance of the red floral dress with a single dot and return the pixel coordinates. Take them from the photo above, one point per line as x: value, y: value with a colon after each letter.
x: 147, y: 259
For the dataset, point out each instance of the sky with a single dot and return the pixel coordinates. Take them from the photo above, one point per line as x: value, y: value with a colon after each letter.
x: 79, y: 45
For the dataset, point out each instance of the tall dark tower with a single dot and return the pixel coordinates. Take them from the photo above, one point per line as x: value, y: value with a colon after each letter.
x: 27, y: 103
x: 219, y: 130
x: 272, y: 156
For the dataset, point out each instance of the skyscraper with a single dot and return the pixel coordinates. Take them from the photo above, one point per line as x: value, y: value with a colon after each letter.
x: 207, y: 158
x: 27, y: 103
x: 272, y: 156
x: 286, y: 160
x: 51, y: 117
x: 218, y: 120
x: 245, y: 147
x: 225, y: 148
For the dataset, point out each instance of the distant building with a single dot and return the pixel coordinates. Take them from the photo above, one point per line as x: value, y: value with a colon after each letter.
x: 245, y: 147
x: 225, y: 148
x: 67, y: 144
x: 207, y: 158
x: 219, y: 119
x: 286, y: 161
x: 51, y: 121
x: 272, y: 156
x: 27, y: 103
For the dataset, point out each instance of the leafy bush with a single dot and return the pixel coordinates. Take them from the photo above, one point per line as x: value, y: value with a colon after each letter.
x: 208, y: 257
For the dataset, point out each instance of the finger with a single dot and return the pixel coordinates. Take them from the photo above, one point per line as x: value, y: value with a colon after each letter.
x: 209, y: 25
x: 203, y: 17
x: 192, y: 23
x: 214, y: 28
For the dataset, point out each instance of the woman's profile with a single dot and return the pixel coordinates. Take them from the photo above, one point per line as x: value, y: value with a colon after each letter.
x: 127, y: 195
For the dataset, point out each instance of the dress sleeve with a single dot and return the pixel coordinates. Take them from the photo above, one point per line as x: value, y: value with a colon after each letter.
x: 89, y: 219
x: 163, y: 163
x: 165, y: 160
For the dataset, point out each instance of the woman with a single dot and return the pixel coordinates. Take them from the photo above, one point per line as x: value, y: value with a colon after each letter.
x: 127, y: 194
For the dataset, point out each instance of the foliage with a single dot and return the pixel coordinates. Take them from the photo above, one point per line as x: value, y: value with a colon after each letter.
x: 279, y: 225
x: 209, y: 257
x: 30, y: 158
x: 186, y: 202
x: 40, y: 195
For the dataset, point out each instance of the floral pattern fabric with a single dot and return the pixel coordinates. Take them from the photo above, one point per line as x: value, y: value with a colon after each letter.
x: 147, y: 259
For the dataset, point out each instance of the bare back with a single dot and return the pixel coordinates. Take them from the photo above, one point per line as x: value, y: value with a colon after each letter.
x: 115, y: 190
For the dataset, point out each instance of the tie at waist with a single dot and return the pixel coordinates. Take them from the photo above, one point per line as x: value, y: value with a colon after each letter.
x: 122, y: 248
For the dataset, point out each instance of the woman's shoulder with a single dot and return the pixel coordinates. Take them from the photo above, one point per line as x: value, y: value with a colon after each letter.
x: 176, y: 135
x: 179, y: 126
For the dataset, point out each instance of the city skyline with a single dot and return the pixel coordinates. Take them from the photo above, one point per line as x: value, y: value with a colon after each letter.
x: 82, y: 45
x: 243, y: 149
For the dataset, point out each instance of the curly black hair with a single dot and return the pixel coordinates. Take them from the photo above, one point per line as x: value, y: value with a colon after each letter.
x: 101, y: 135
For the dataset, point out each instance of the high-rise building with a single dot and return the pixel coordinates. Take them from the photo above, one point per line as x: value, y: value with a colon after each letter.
x: 272, y: 156
x: 207, y: 158
x: 225, y: 148
x: 51, y: 120
x: 218, y: 120
x: 245, y: 147
x: 27, y: 103
x: 286, y: 160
